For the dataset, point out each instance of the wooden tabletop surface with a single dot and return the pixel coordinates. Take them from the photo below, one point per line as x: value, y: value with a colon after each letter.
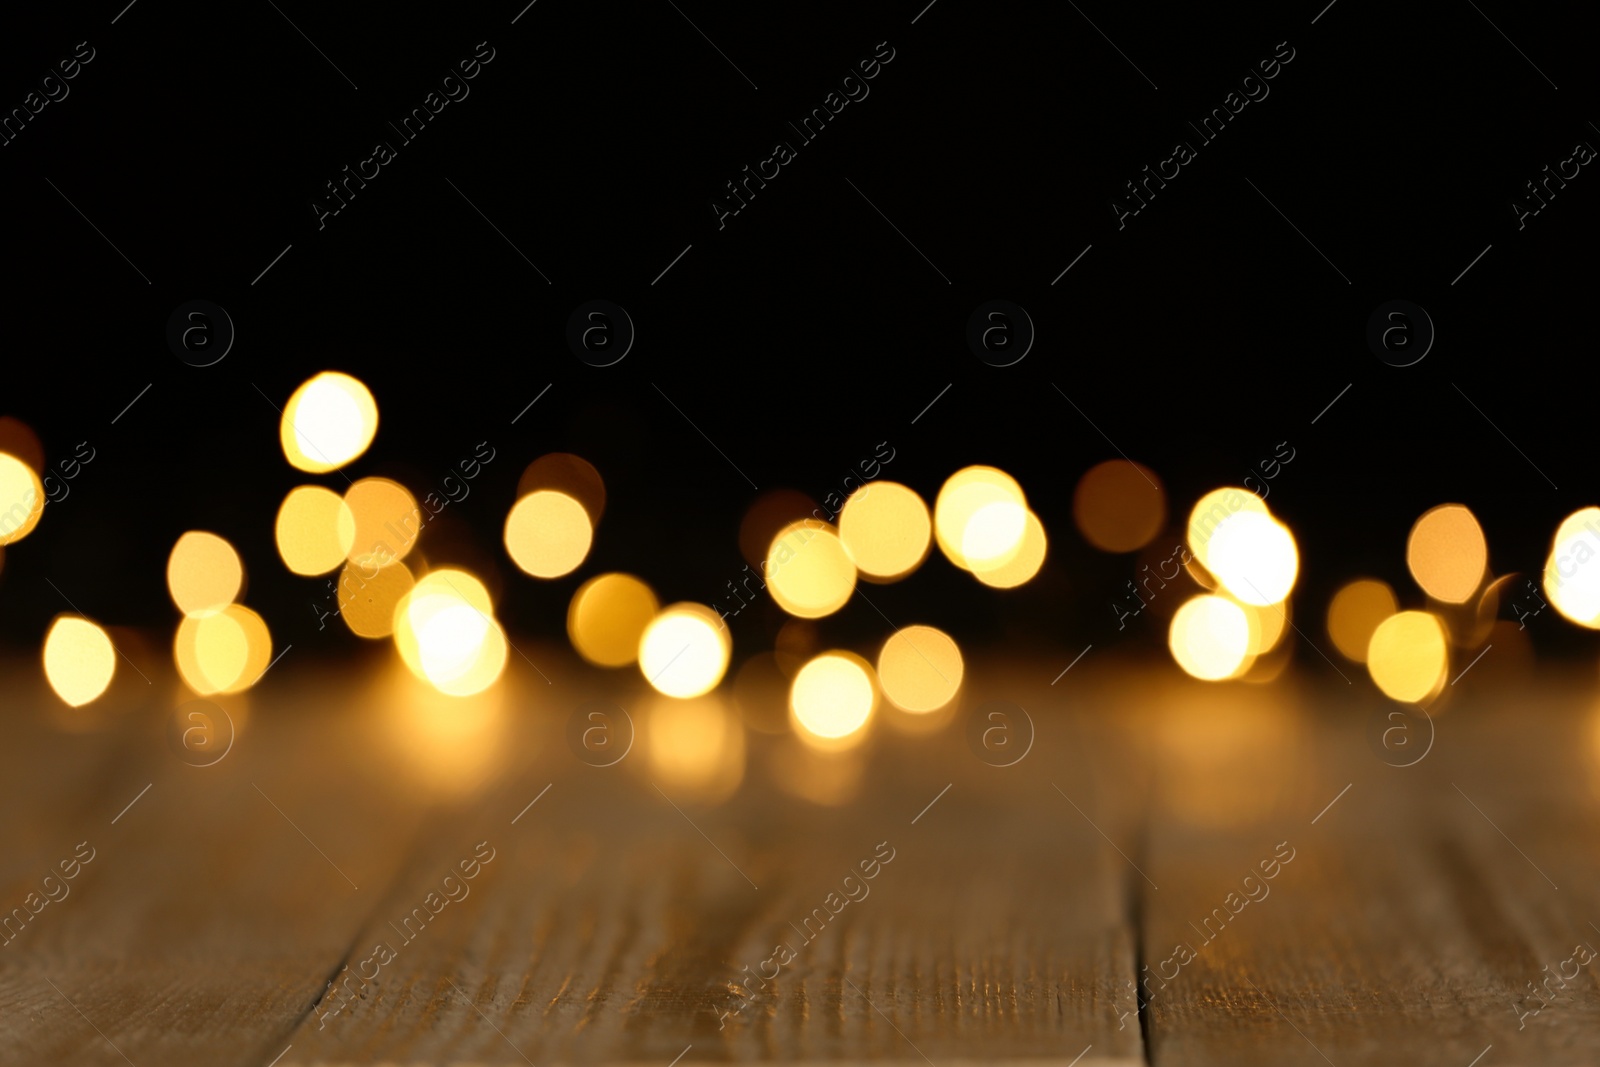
x: 1167, y: 871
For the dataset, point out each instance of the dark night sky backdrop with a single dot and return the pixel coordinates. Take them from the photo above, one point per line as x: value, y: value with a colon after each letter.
x: 807, y: 330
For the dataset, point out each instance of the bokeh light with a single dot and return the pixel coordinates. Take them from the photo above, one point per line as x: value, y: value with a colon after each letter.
x: 79, y: 660
x: 18, y: 439
x: 809, y: 573
x: 548, y: 534
x: 1447, y: 553
x: 1355, y: 612
x: 886, y: 529
x: 328, y: 421
x: 315, y: 530
x: 1253, y: 555
x: 1408, y: 656
x: 565, y: 473
x: 684, y: 651
x: 1021, y: 567
x: 387, y: 521
x: 222, y: 652
x: 607, y: 616
x: 21, y: 499
x: 980, y: 517
x: 920, y: 669
x: 369, y: 595
x: 832, y: 698
x: 771, y: 512
x: 1570, y: 581
x: 1210, y: 637
x: 446, y: 634
x: 1119, y: 505
x: 203, y: 573
x: 1214, y: 509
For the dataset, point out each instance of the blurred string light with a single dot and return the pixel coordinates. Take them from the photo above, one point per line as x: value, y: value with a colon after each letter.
x: 329, y: 420
x: 571, y: 475
x: 315, y: 530
x: 684, y: 651
x: 1119, y: 506
x: 21, y: 499
x: 920, y: 669
x: 886, y: 530
x: 607, y: 617
x: 809, y: 573
x: 548, y: 534
x: 79, y: 660
x: 1571, y: 580
x: 387, y: 521
x: 222, y: 652
x: 1355, y: 612
x: 1408, y: 656
x: 980, y: 518
x: 1210, y: 637
x: 832, y: 698
x: 204, y: 573
x: 445, y: 631
x: 1447, y: 554
x: 18, y: 439
x: 370, y: 596
x: 1020, y: 568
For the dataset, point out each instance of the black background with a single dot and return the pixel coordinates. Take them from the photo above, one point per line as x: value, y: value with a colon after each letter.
x: 806, y: 330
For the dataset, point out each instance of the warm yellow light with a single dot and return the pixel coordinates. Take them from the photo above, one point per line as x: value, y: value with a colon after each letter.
x: 694, y: 747
x: 684, y: 651
x: 979, y: 517
x: 315, y: 530
x: 1254, y: 557
x: 1408, y: 656
x: 1570, y: 581
x: 387, y: 521
x: 886, y: 529
x: 548, y: 534
x: 808, y: 571
x: 79, y: 660
x: 1355, y: 612
x: 1212, y: 510
x: 569, y: 474
x: 920, y: 669
x: 18, y: 439
x: 446, y: 635
x: 328, y: 421
x: 258, y: 647
x: 203, y: 573
x: 1447, y: 553
x: 832, y: 698
x: 1210, y: 637
x: 369, y: 595
x: 1267, y: 626
x: 215, y: 653
x: 21, y: 499
x: 1119, y: 506
x: 1022, y: 566
x: 607, y: 617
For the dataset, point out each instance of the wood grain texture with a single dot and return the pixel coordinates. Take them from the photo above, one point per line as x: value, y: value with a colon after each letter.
x: 658, y: 910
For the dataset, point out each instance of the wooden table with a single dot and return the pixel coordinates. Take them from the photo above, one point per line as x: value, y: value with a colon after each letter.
x: 1103, y: 900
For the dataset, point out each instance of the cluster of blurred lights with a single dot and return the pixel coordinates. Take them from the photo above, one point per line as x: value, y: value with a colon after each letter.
x: 1231, y: 624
